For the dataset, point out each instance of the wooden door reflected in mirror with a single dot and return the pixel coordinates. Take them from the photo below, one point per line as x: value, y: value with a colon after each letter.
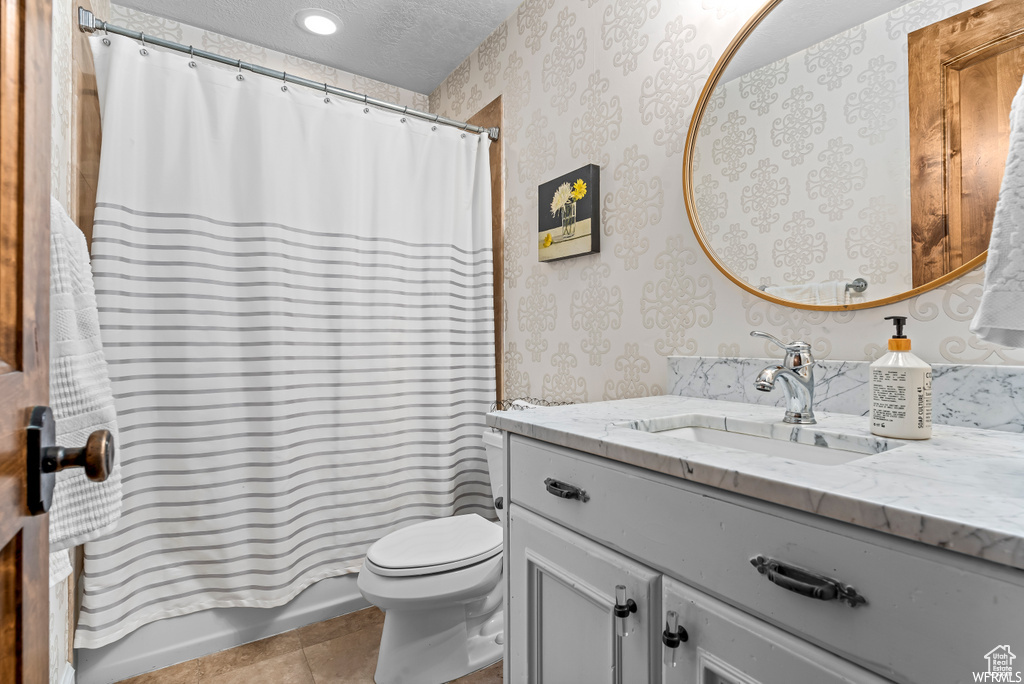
x: 850, y: 155
x: 964, y: 73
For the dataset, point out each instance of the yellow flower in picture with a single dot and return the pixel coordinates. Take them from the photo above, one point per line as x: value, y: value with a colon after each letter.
x: 561, y: 196
x: 547, y: 240
x: 579, y: 189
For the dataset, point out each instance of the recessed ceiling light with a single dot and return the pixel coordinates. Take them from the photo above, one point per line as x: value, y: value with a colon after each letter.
x: 318, y: 21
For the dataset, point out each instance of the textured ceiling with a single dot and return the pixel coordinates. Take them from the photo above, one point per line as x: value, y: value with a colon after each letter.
x: 413, y: 44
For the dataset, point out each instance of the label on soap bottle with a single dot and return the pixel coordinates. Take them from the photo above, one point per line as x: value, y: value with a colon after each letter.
x: 901, y: 402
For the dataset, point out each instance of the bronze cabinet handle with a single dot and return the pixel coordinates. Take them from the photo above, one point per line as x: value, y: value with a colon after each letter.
x: 45, y: 459
x: 806, y: 583
x: 564, y: 490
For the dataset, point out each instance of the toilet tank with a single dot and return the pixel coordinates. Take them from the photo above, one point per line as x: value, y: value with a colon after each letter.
x: 494, y: 445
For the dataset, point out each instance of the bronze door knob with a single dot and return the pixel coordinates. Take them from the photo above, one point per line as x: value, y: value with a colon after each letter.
x: 97, y: 457
x: 45, y: 459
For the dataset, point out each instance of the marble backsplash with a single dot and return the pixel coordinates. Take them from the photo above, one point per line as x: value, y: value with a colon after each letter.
x: 989, y: 397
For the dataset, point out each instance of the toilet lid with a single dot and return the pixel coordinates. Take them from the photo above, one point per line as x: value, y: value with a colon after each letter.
x: 437, y: 545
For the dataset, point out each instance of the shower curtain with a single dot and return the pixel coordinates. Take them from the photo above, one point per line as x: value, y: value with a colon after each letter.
x: 296, y: 306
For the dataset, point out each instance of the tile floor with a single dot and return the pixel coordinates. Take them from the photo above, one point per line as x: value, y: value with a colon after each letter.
x: 338, y: 651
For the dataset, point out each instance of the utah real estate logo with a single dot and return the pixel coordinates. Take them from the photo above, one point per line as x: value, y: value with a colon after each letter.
x: 1000, y: 666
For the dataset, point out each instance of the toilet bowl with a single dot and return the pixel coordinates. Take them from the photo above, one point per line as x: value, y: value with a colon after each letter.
x: 439, y: 584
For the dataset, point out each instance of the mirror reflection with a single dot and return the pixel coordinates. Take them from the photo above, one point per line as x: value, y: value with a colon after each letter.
x: 851, y: 152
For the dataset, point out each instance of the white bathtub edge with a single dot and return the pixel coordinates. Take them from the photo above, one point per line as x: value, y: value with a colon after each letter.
x: 176, y: 640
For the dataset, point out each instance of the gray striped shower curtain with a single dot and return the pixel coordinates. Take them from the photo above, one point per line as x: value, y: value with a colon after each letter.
x: 295, y: 302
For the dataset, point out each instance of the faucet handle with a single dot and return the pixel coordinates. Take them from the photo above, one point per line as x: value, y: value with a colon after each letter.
x: 770, y: 337
x: 799, y: 351
x: 792, y: 346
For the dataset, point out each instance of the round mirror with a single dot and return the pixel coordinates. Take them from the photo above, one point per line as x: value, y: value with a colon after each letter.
x: 845, y: 155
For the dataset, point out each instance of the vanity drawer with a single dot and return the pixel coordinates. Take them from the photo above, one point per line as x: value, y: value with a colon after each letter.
x: 931, y: 616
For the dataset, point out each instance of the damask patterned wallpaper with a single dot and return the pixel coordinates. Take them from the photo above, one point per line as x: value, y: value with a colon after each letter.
x: 803, y: 165
x: 61, y: 101
x: 614, y: 82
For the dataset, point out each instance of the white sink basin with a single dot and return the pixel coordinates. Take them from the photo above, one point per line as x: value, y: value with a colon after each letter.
x: 807, y: 443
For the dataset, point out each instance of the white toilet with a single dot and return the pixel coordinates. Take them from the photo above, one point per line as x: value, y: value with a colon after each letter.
x: 439, y: 585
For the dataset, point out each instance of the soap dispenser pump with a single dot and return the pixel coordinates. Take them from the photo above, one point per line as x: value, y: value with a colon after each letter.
x: 901, y: 390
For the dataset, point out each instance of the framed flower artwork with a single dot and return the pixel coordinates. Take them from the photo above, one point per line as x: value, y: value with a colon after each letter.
x: 569, y: 217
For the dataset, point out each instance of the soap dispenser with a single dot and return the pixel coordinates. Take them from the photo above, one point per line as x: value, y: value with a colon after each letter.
x: 901, y: 390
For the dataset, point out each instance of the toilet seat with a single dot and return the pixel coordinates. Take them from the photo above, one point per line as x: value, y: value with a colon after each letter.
x: 436, y: 546
x: 440, y: 586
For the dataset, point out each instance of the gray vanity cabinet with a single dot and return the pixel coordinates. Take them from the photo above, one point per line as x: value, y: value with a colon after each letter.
x: 562, y: 608
x: 727, y: 646
x: 767, y: 594
x: 563, y: 589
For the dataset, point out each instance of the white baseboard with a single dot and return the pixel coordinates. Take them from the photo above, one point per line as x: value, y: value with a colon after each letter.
x: 175, y: 640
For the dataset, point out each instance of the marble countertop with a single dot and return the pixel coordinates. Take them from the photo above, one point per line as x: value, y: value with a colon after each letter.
x: 962, y: 490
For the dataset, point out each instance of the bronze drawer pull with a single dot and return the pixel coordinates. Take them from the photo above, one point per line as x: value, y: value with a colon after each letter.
x: 807, y: 583
x: 564, y: 490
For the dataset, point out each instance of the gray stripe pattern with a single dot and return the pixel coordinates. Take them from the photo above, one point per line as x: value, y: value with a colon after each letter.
x: 288, y: 395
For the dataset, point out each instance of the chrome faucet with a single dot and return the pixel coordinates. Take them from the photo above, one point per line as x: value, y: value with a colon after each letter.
x: 797, y: 377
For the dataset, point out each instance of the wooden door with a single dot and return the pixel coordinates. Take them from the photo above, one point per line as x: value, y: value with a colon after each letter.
x: 727, y: 646
x: 24, y: 328
x: 491, y: 117
x: 964, y: 72
x: 561, y: 598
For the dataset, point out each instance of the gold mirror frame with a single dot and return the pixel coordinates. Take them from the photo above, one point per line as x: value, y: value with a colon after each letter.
x: 691, y: 206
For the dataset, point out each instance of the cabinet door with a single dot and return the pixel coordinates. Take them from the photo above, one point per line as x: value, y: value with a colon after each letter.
x: 726, y: 646
x: 561, y: 603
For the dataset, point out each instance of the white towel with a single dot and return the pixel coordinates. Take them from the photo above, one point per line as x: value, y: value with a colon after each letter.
x: 80, y: 395
x: 521, y: 404
x: 1000, y: 317
x: 828, y: 293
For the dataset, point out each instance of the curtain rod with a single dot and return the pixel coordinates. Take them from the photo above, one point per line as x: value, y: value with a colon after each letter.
x: 88, y: 23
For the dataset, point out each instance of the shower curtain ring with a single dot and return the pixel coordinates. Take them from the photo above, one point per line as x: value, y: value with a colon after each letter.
x: 143, y: 51
x: 106, y: 35
x: 191, y: 57
x: 284, y: 81
x: 327, y: 99
x: 240, y: 77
